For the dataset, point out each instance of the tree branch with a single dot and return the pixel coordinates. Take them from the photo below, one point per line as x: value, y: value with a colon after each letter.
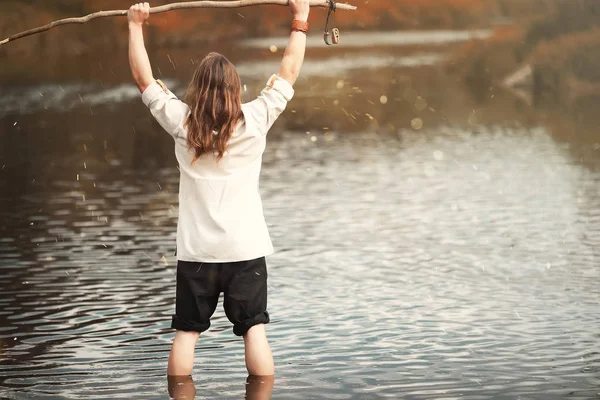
x: 169, y: 7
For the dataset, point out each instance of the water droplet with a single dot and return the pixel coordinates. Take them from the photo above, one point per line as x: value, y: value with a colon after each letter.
x: 416, y: 124
x: 473, y: 118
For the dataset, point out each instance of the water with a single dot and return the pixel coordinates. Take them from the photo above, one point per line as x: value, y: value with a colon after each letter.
x: 369, y: 39
x: 456, y: 261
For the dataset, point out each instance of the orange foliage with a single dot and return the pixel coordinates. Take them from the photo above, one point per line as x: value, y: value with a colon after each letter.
x: 371, y: 13
x: 507, y: 33
x: 212, y: 24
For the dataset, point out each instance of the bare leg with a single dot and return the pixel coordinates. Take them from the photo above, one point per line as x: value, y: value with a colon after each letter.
x: 259, y: 387
x: 259, y: 360
x: 181, y: 359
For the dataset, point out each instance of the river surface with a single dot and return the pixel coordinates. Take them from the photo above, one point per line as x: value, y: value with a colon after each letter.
x: 432, y: 243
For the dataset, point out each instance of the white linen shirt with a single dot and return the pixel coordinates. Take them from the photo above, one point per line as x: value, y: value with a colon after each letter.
x: 220, y: 209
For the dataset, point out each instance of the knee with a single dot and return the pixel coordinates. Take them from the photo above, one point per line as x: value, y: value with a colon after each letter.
x: 241, y: 328
x: 255, y: 331
x: 186, y: 337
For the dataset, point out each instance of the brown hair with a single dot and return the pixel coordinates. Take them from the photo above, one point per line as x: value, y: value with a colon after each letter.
x: 214, y: 97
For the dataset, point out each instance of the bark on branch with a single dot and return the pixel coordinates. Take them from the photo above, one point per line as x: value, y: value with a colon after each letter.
x: 170, y: 7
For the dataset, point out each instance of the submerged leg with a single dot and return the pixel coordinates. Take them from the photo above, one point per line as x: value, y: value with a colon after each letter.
x: 181, y: 387
x: 181, y: 359
x: 259, y: 360
x: 259, y: 387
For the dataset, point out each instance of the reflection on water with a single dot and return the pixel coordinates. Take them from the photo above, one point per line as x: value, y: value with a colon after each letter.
x: 336, y: 66
x: 460, y: 260
x: 23, y: 100
x: 370, y: 39
x: 257, y: 388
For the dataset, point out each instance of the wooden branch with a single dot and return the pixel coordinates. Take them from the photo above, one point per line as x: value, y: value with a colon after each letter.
x: 170, y: 7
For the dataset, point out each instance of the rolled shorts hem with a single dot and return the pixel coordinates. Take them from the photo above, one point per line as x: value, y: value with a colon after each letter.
x: 188, y: 326
x: 241, y: 328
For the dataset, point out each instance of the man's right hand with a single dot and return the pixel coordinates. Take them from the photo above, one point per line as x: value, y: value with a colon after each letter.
x: 300, y: 9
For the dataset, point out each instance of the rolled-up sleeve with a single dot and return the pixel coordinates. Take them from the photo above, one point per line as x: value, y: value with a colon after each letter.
x: 166, y: 108
x: 265, y: 110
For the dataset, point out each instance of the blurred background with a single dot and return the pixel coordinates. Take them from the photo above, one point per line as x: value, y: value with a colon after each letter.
x: 432, y: 192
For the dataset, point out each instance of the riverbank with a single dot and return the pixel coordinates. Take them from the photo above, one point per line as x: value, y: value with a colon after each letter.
x: 550, y: 60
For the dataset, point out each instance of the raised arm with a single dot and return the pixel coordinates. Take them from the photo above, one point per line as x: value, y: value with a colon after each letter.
x: 138, y: 57
x: 293, y: 57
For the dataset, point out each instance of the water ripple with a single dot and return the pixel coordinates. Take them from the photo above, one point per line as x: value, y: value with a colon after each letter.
x: 440, y: 265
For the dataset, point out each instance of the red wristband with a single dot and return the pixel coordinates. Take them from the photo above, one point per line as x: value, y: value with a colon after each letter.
x: 300, y: 26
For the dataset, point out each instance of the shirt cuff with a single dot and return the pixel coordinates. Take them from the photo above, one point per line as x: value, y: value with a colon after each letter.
x: 282, y: 86
x: 151, y: 92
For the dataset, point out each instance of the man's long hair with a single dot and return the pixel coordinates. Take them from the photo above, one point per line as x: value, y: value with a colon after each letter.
x: 214, y: 97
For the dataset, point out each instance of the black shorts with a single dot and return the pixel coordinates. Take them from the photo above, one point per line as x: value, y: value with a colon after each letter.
x: 199, y: 285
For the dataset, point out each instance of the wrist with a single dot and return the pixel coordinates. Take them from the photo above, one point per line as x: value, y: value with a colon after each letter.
x: 300, y: 26
x: 135, y: 25
x: 301, y: 17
